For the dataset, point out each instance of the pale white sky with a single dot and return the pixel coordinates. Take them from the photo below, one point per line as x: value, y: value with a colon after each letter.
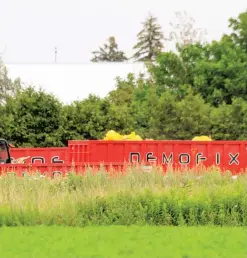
x: 30, y: 29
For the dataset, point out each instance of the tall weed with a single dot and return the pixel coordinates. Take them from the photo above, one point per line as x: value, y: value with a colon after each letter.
x: 136, y: 197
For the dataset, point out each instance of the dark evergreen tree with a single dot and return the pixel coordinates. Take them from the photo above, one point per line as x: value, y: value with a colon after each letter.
x: 149, y: 42
x: 109, y: 53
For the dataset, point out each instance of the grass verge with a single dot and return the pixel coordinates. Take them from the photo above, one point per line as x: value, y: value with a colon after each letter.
x: 137, y: 198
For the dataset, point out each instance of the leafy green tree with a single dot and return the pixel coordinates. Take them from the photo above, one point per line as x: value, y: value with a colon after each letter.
x: 122, y: 94
x: 194, y: 116
x: 169, y: 73
x: 144, y: 100
x: 132, y: 98
x: 121, y: 119
x: 217, y: 71
x: 221, y: 75
x: 164, y: 124
x: 7, y: 124
x: 239, y: 28
x: 36, y: 118
x: 87, y: 118
x: 92, y: 117
x: 109, y: 53
x: 229, y: 122
x: 8, y: 87
x: 180, y: 120
x: 71, y: 127
x: 149, y: 43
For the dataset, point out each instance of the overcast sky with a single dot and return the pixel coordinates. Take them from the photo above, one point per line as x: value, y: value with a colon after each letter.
x: 30, y: 29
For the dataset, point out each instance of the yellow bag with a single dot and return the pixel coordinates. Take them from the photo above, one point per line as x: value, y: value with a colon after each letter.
x: 132, y: 137
x: 202, y: 138
x: 112, y: 135
x: 129, y: 136
x: 138, y: 138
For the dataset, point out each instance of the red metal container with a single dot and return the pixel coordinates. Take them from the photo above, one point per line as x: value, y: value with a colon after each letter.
x: 227, y: 155
x: 42, y: 155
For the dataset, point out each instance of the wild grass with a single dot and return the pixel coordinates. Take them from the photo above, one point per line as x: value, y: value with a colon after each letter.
x: 97, y: 198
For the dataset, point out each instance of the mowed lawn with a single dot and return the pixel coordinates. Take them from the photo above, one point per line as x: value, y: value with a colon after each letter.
x: 122, y: 241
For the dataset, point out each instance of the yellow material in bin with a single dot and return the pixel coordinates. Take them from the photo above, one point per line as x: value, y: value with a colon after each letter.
x: 112, y: 135
x: 138, y: 138
x: 133, y: 136
x: 202, y: 138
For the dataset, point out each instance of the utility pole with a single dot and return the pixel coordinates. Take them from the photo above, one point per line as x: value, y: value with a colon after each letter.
x: 55, y: 54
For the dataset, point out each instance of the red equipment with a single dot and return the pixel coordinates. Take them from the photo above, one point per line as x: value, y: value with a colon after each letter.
x: 227, y: 155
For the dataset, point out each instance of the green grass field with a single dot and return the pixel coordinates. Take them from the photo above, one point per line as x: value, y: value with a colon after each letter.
x: 122, y: 241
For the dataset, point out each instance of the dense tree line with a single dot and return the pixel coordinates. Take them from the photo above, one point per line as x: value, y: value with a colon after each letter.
x: 199, y: 90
